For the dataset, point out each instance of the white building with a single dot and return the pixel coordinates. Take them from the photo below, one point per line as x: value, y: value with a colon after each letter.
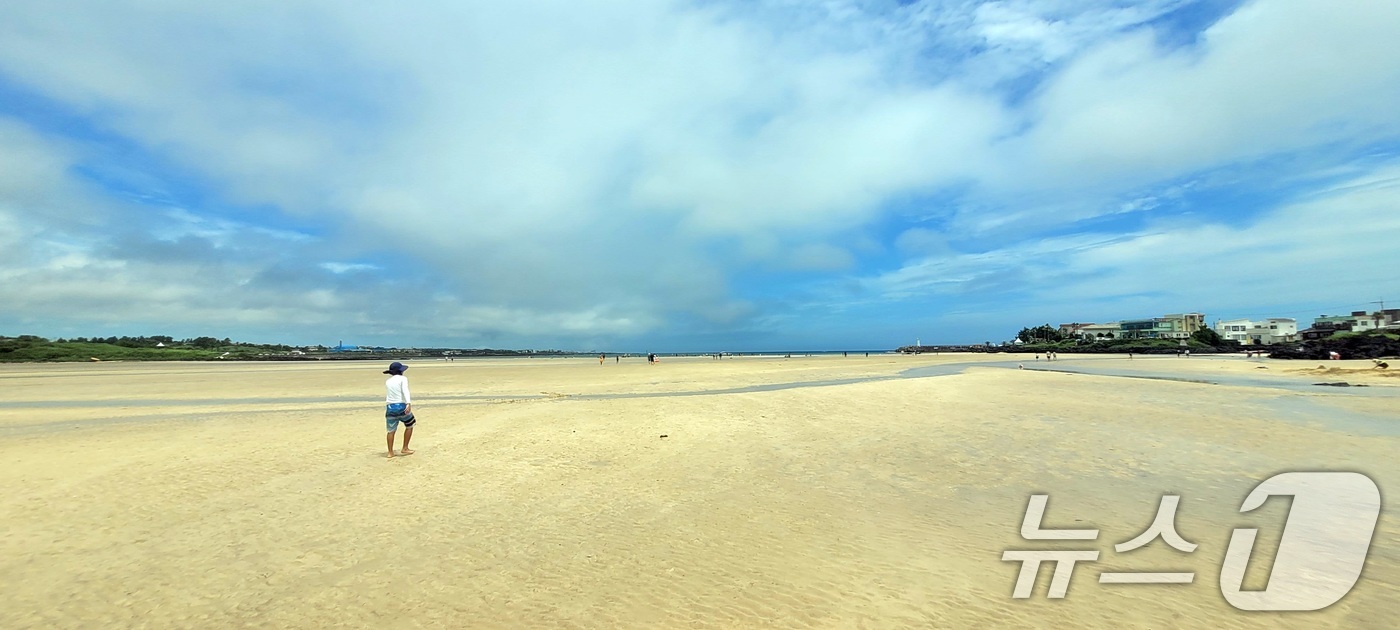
x: 1358, y: 321
x: 1110, y: 330
x: 1256, y: 333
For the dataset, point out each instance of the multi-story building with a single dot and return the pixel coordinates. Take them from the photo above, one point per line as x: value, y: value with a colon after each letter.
x: 1142, y: 328
x: 1110, y: 330
x: 1320, y: 330
x: 1357, y: 321
x: 1234, y: 329
x: 1392, y: 318
x: 1264, y: 332
x: 1073, y: 330
x: 1172, y: 326
x: 1186, y: 323
x: 1360, y: 321
x: 1280, y: 329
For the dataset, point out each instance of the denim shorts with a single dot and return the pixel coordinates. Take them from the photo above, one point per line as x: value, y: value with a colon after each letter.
x: 394, y: 414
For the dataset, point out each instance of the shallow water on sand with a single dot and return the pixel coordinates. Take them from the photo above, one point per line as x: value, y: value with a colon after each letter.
x: 744, y: 493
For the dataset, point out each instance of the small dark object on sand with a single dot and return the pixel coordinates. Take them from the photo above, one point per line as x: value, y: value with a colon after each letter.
x: 1339, y: 384
x: 665, y: 435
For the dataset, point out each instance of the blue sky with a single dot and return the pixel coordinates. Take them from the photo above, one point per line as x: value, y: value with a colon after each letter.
x: 690, y: 176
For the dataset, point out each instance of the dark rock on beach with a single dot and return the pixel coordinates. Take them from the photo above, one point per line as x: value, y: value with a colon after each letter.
x: 1362, y: 346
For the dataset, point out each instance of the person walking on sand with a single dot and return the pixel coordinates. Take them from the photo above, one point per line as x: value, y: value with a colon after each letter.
x: 398, y: 407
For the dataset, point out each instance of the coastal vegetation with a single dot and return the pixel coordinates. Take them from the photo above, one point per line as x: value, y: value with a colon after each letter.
x: 1047, y: 338
x: 32, y: 348
x: 1099, y: 346
x: 1374, y: 344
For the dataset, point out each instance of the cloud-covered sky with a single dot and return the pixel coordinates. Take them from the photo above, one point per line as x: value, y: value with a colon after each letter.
x: 690, y: 176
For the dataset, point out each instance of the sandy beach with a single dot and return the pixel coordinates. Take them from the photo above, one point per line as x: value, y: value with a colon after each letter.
x: 811, y: 492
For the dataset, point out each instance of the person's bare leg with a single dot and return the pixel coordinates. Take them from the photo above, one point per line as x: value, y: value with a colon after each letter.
x: 407, y: 435
x: 390, y: 438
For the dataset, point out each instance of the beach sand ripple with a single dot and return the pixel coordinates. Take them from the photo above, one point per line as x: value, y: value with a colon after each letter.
x: 173, y: 495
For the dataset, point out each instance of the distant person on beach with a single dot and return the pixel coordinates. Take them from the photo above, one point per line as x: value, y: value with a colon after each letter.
x: 398, y: 407
x: 601, y: 358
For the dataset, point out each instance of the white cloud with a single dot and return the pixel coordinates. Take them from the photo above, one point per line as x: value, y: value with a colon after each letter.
x: 340, y: 267
x: 1331, y: 248
x: 1274, y: 76
x: 610, y: 167
x: 1047, y: 32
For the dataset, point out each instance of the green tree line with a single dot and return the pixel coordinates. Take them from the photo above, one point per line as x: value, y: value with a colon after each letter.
x: 128, y: 348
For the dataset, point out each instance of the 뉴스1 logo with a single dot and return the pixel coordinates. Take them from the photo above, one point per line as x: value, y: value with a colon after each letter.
x: 1320, y: 556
